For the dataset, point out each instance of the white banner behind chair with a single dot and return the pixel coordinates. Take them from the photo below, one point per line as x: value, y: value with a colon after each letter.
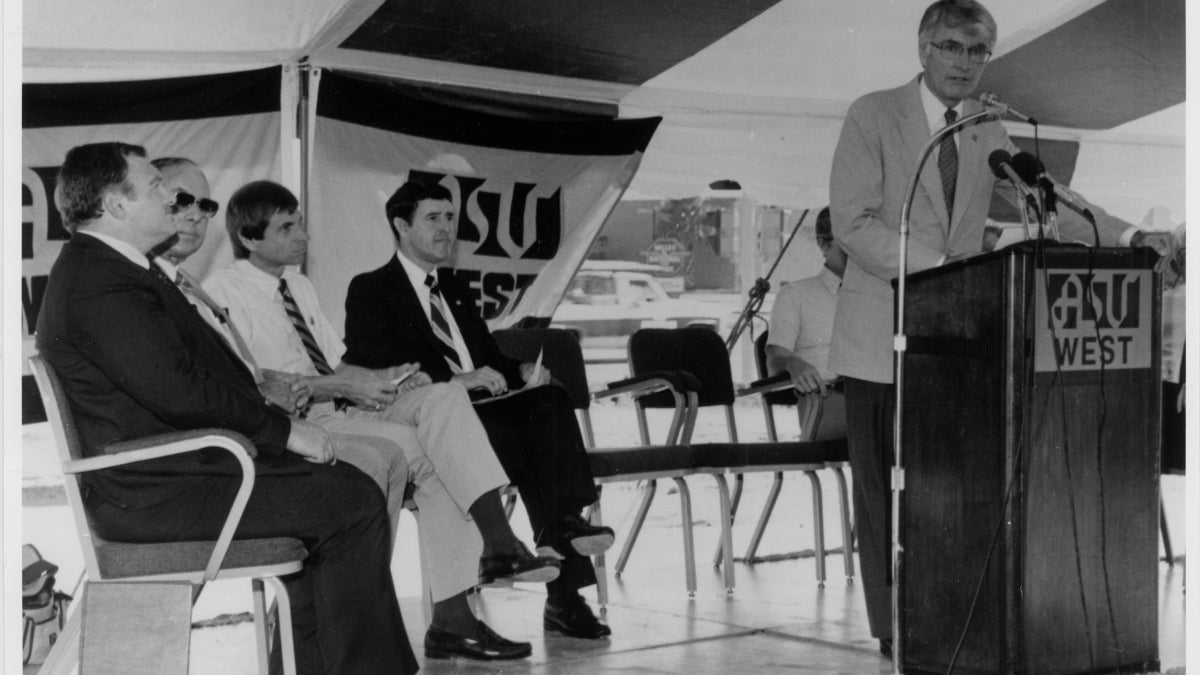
x: 531, y: 195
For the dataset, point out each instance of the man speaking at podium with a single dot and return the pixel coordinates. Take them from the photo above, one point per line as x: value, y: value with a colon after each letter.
x: 880, y: 144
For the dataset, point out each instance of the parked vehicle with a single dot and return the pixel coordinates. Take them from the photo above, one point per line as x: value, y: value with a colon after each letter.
x: 605, y: 307
x: 671, y: 280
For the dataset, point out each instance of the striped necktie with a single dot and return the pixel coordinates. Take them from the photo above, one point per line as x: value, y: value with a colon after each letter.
x: 306, y: 336
x: 441, y: 327
x: 948, y: 164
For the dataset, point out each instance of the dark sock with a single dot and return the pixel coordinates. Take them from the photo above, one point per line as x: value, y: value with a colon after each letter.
x: 493, y: 525
x: 454, y: 615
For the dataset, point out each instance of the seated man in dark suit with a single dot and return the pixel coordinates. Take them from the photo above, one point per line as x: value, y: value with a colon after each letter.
x: 136, y: 360
x: 410, y: 311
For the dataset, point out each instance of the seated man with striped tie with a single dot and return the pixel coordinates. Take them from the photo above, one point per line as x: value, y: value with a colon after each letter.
x: 430, y: 455
x: 413, y: 308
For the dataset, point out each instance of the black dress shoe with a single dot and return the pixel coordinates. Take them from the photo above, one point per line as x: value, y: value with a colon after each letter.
x: 572, y: 617
x: 519, y: 566
x: 885, y: 647
x: 485, y: 646
x: 576, y: 535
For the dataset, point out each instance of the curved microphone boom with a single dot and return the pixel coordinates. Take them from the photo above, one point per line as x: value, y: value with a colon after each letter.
x: 992, y: 101
x: 1031, y: 170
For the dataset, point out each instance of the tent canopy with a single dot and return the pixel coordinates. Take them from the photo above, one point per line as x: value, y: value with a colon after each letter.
x: 752, y: 90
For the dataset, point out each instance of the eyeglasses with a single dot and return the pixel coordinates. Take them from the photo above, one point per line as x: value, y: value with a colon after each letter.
x: 183, y: 200
x: 952, y: 51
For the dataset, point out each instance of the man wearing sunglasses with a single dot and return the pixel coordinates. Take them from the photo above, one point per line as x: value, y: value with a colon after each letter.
x: 876, y: 155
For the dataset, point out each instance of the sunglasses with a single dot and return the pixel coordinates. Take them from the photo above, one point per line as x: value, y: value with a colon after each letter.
x: 184, y: 200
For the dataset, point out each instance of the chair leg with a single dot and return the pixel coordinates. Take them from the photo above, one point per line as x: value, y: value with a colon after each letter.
x: 768, y: 509
x: 689, y: 544
x: 63, y: 658
x: 596, y: 518
x: 1166, y: 533
x: 726, y: 531
x: 847, y: 527
x: 639, y: 519
x: 818, y: 525
x: 286, y: 639
x: 719, y: 554
x: 262, y: 626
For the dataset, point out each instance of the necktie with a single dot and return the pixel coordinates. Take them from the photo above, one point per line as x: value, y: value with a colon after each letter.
x: 441, y: 327
x: 159, y: 274
x: 948, y: 164
x: 191, y: 287
x: 306, y: 336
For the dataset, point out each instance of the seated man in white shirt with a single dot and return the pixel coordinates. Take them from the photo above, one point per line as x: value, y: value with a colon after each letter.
x: 801, y: 325
x: 393, y: 454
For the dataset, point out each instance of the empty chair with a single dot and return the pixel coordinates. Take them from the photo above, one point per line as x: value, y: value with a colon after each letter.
x: 702, y: 354
x: 648, y: 462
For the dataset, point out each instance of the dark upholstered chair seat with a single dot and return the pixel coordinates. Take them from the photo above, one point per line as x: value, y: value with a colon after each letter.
x: 121, y: 561
x: 746, y: 456
x: 661, y: 461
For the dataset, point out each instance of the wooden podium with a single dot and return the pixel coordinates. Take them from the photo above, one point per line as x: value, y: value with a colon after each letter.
x: 1031, y: 434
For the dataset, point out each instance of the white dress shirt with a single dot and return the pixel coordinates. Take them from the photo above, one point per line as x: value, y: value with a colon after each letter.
x: 802, y: 319
x: 256, y: 309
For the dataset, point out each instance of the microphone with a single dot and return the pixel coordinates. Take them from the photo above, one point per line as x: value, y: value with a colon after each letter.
x: 1031, y: 170
x: 1001, y: 163
x: 990, y: 100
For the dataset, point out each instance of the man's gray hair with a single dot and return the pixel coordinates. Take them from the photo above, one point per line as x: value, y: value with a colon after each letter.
x: 955, y: 13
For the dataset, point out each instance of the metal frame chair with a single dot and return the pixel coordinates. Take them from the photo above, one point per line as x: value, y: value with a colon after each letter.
x: 196, y: 562
x: 648, y: 462
x: 814, y: 425
x: 702, y: 353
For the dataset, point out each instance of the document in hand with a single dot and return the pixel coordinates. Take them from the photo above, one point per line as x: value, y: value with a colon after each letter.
x: 479, y: 396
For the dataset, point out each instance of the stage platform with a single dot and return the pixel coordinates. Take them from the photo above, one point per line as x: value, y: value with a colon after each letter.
x: 777, y: 620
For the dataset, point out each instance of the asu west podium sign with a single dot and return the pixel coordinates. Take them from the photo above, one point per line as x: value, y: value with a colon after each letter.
x: 1031, y: 427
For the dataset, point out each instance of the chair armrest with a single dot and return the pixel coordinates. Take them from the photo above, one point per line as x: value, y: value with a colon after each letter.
x: 641, y: 385
x: 164, y: 445
x: 767, y: 385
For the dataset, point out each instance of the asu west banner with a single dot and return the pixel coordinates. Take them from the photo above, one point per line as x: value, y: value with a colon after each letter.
x: 530, y: 195
x: 228, y: 124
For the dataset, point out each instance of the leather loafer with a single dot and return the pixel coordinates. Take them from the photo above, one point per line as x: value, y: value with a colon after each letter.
x: 576, y: 535
x: 519, y: 566
x: 485, y: 646
x: 573, y: 618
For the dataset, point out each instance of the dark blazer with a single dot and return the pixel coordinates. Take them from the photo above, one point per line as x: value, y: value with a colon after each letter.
x: 386, y: 326
x: 136, y: 359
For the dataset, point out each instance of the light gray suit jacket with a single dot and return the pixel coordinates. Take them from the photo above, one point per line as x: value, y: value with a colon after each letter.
x: 876, y: 155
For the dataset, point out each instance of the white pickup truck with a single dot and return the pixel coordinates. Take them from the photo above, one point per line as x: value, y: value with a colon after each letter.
x: 605, y: 307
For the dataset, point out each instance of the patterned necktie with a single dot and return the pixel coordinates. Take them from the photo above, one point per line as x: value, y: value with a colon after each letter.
x: 192, y: 288
x: 306, y: 336
x: 441, y: 327
x: 948, y: 164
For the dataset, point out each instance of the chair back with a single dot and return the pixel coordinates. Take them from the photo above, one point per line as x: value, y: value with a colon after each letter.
x: 760, y: 360
x: 562, y: 354
x: 66, y: 440
x: 696, y: 350
x: 560, y: 351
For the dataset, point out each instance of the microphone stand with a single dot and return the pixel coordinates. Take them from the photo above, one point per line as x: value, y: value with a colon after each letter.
x: 899, y: 346
x: 759, y: 292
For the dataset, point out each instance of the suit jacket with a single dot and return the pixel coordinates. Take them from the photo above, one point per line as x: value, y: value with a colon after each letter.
x: 881, y: 141
x: 136, y: 359
x: 386, y: 326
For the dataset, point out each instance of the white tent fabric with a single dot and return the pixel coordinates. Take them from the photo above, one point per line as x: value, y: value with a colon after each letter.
x: 761, y: 105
